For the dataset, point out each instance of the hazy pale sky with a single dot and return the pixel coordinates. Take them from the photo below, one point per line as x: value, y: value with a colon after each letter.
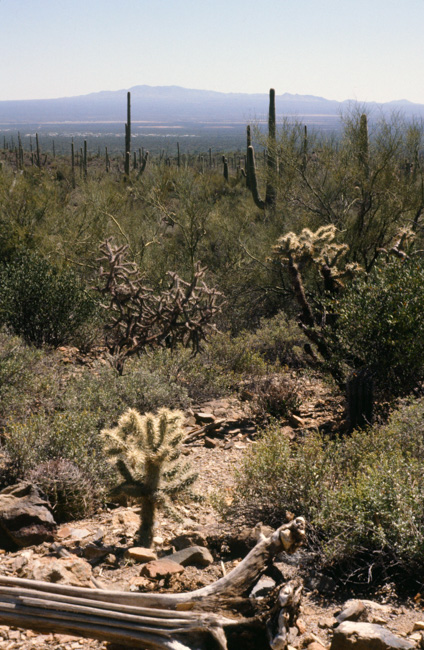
x: 366, y: 50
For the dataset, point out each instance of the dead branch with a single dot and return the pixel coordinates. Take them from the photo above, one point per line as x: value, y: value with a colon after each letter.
x: 153, y: 621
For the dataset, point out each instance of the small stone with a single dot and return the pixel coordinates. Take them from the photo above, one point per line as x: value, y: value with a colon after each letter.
x: 160, y: 569
x: 418, y: 625
x: 127, y: 520
x: 192, y: 555
x: 210, y: 443
x: 204, y: 418
x: 316, y: 646
x: 158, y: 540
x: 352, y: 612
x: 364, y: 636
x: 301, y: 626
x: 79, y: 533
x: 94, y: 551
x: 140, y: 554
x: 110, y: 559
x: 185, y: 540
x: 415, y: 636
x: 262, y: 588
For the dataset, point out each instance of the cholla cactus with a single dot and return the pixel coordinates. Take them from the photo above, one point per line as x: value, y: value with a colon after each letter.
x: 295, y: 251
x: 145, y: 450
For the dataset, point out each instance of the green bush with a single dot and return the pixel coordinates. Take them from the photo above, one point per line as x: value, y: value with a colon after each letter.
x: 381, y: 324
x: 30, y: 378
x: 146, y: 385
x: 73, y: 436
x: 41, y: 303
x: 363, y: 496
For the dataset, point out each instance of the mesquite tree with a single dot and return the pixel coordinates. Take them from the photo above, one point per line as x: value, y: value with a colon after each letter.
x: 139, y: 317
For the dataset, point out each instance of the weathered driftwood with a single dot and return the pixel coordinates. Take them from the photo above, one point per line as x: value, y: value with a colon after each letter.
x: 157, y: 621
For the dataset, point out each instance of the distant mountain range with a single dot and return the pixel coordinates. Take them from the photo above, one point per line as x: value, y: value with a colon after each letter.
x: 175, y: 104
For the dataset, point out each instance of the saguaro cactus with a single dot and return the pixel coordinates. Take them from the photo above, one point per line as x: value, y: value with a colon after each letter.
x: 146, y: 450
x: 128, y: 136
x: 271, y: 162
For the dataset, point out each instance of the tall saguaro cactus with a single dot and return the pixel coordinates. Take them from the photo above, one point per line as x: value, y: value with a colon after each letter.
x: 271, y: 162
x: 128, y: 136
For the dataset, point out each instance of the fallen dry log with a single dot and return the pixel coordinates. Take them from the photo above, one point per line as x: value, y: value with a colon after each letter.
x: 151, y: 620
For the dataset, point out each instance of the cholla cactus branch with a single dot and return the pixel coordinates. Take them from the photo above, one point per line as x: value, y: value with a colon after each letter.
x: 140, y: 318
x: 147, y: 458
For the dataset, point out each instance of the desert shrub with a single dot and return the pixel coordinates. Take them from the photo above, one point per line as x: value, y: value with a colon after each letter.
x: 381, y: 324
x: 362, y: 495
x: 42, y: 303
x: 69, y: 490
x: 274, y: 396
x: 29, y: 378
x: 146, y: 385
x: 278, y: 340
x: 73, y: 436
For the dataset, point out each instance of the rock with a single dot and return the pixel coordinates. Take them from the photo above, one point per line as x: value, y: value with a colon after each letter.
x: 192, y: 555
x: 300, y: 624
x: 204, y: 418
x: 160, y: 569
x: 418, y: 625
x: 95, y: 551
x: 64, y: 570
x: 262, y: 588
x: 366, y: 636
x: 210, y: 443
x: 189, y: 539
x: 128, y: 520
x: 25, y: 518
x: 316, y: 646
x: 140, y: 554
x: 352, y: 612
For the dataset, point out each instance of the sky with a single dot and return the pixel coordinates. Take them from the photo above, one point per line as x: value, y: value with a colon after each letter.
x: 364, y: 50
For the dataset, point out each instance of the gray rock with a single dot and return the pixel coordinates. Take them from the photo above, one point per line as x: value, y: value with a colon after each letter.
x: 64, y: 570
x: 204, y: 418
x: 351, y: 612
x: 192, y: 538
x: 262, y: 588
x: 365, y: 636
x: 25, y: 518
x: 192, y: 555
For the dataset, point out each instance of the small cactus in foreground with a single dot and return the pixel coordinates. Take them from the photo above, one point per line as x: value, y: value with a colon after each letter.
x: 70, y: 492
x: 145, y: 450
